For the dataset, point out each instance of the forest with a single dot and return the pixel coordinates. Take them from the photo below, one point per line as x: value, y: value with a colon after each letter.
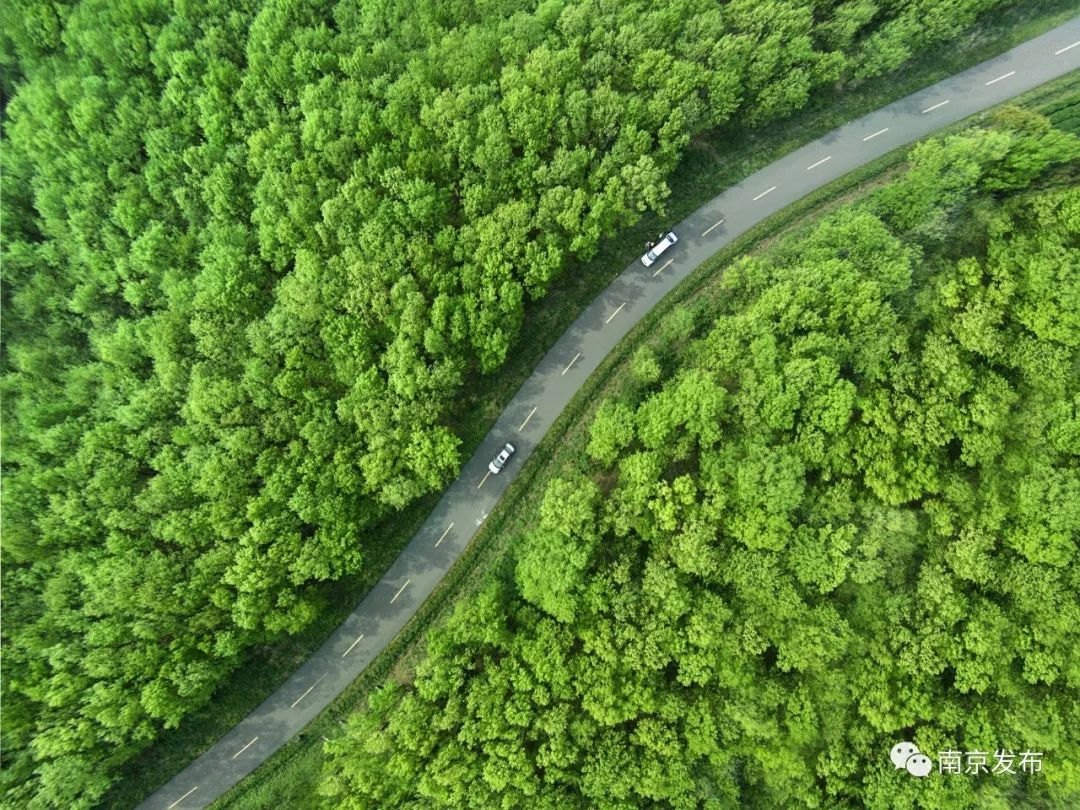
x: 252, y: 254
x: 837, y: 506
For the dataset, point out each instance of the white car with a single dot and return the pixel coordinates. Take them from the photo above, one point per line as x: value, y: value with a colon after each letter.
x: 659, y: 248
x: 500, y: 460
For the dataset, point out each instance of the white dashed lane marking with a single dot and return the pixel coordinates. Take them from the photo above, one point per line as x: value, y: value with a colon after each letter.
x: 616, y: 312
x: 527, y: 418
x: 762, y: 194
x: 448, y: 528
x: 939, y: 104
x: 171, y: 806
x: 308, y: 692
x: 999, y: 78
x: 396, y: 595
x: 576, y: 356
x: 815, y: 165
x: 245, y: 748
x: 359, y: 638
x: 706, y: 232
x: 879, y: 132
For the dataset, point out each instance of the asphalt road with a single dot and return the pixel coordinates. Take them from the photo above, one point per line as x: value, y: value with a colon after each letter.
x: 470, y: 499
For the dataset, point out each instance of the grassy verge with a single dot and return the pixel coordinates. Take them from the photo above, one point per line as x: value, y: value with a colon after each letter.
x: 290, y: 778
x: 712, y: 163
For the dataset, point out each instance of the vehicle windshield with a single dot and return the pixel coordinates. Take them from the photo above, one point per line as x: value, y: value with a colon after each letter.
x: 651, y: 255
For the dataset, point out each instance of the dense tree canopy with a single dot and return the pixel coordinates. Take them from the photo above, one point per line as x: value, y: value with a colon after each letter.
x: 253, y: 251
x: 845, y: 513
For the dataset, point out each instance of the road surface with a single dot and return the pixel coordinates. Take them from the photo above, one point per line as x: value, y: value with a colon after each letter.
x: 470, y: 499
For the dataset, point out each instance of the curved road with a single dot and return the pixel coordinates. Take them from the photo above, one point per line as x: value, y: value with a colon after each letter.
x: 469, y: 500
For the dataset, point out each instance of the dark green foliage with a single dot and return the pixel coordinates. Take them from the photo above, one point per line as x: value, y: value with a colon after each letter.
x: 848, y: 517
x: 252, y: 254
x: 1065, y: 113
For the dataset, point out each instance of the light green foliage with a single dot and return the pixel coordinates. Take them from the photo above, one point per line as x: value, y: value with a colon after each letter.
x: 1037, y: 145
x: 611, y: 431
x: 646, y: 368
x: 944, y: 173
x: 686, y: 411
x: 551, y: 570
x: 848, y: 518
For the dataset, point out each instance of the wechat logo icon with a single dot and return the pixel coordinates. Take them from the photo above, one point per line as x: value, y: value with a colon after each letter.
x: 907, y: 755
